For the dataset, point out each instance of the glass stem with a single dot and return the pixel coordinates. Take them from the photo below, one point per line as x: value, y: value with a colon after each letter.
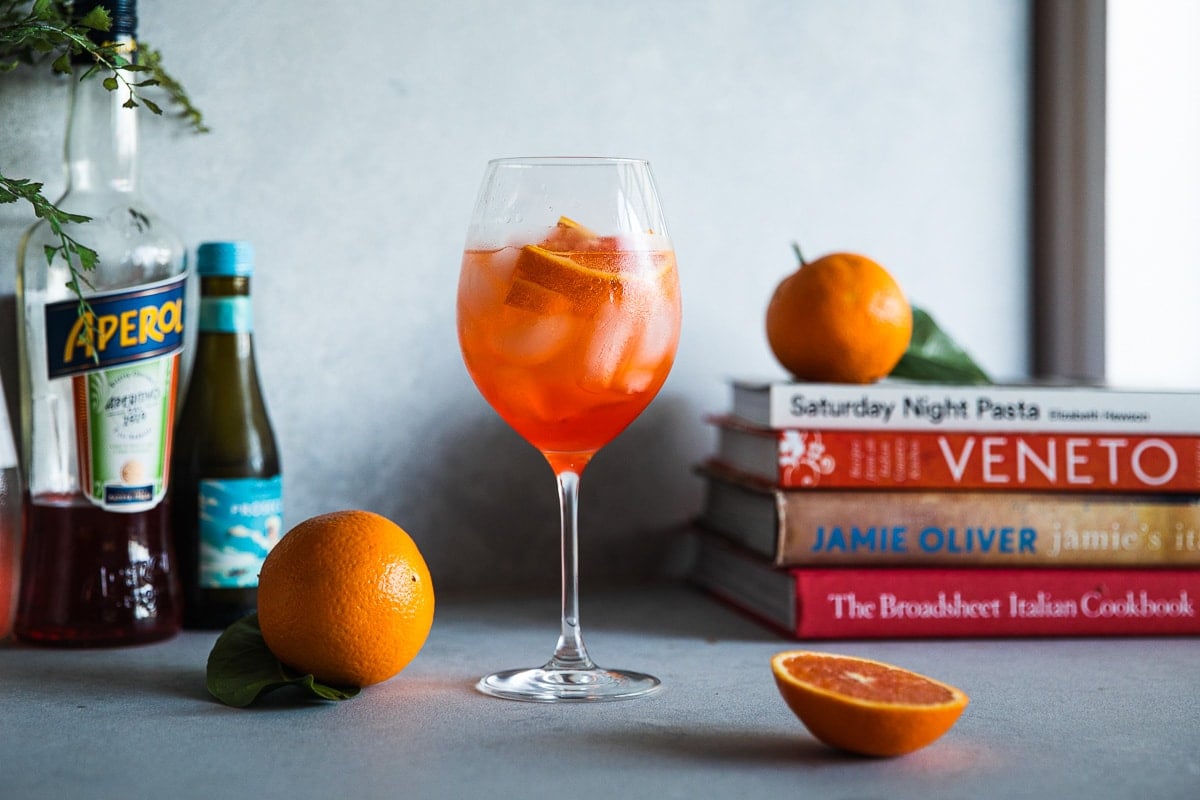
x: 570, y: 652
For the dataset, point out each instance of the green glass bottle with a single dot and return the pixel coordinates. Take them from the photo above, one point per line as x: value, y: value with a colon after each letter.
x: 226, y: 484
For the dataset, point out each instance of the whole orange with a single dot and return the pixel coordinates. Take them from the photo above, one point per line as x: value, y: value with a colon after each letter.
x: 841, y: 319
x: 346, y: 597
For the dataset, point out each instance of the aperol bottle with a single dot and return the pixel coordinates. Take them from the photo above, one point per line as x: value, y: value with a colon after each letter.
x: 226, y: 486
x: 99, y: 370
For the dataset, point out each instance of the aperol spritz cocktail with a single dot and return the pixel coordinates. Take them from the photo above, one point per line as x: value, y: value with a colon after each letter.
x: 569, y: 337
x: 568, y: 319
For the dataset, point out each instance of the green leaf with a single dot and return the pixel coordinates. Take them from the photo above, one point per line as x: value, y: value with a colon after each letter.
x: 97, y: 19
x: 88, y: 258
x: 241, y: 669
x: 933, y: 356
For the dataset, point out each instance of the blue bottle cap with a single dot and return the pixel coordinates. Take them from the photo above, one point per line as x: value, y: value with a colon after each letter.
x: 225, y: 258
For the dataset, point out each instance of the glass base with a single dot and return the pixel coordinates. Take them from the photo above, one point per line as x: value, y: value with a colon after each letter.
x: 559, y: 685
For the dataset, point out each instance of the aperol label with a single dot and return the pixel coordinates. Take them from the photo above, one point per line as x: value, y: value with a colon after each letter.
x: 122, y: 356
x: 119, y: 327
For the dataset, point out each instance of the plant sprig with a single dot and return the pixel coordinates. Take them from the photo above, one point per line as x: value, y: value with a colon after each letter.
x: 151, y: 60
x: 32, y: 33
x: 68, y: 247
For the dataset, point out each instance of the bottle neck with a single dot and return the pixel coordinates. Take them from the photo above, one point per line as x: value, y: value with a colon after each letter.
x: 225, y: 305
x: 102, y: 134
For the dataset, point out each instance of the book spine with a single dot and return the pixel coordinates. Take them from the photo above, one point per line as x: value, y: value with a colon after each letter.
x: 958, y: 408
x: 908, y: 603
x: 1030, y: 461
x: 967, y: 528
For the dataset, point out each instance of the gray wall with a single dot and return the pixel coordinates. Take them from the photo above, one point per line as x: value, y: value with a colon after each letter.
x: 348, y: 142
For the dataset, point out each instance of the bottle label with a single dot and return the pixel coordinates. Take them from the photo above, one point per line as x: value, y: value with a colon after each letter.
x: 122, y: 357
x: 119, y: 327
x: 226, y: 314
x: 123, y: 419
x: 241, y: 519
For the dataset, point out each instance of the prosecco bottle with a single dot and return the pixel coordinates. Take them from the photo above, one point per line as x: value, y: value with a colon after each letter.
x: 226, y: 495
x: 99, y: 366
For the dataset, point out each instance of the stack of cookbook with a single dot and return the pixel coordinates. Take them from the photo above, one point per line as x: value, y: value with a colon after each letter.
x: 923, y: 510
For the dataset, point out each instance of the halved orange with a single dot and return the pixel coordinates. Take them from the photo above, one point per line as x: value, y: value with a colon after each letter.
x: 865, y: 706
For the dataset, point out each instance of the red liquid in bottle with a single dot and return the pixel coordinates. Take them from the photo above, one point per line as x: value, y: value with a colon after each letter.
x: 8, y: 576
x: 114, y: 580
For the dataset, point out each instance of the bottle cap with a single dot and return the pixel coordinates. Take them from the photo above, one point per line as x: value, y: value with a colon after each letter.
x: 123, y: 14
x: 225, y: 258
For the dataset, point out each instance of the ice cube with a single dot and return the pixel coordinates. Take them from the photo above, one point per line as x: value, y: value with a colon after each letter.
x: 484, y: 281
x: 526, y: 339
x: 636, y: 379
x: 613, y: 340
x: 568, y: 235
x: 660, y: 336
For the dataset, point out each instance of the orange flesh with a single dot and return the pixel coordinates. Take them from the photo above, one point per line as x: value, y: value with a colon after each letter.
x: 866, y: 681
x: 865, y: 706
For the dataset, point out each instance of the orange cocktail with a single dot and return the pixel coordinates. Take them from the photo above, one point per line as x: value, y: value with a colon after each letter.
x: 569, y: 337
x: 568, y: 332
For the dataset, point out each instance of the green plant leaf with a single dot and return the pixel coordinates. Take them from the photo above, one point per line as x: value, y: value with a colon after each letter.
x: 97, y: 19
x: 933, y: 356
x: 241, y: 669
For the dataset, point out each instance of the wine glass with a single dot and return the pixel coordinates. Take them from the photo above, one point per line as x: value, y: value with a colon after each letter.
x: 568, y: 320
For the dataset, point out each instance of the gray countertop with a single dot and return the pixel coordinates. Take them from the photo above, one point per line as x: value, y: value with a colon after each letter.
x: 1050, y: 718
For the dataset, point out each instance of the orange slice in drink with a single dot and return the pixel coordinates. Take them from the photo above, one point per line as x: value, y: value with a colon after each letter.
x: 584, y: 287
x: 535, y: 298
x: 569, y: 235
x: 865, y: 706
